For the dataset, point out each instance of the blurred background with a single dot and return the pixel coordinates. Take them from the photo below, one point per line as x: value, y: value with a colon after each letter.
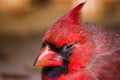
x: 24, y: 22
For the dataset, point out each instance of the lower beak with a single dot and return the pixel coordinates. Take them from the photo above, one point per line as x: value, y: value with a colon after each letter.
x: 47, y: 57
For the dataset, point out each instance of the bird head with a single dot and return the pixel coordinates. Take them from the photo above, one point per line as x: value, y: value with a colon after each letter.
x: 65, y: 42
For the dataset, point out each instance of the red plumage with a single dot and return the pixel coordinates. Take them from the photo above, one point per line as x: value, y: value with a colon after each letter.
x: 65, y: 28
x: 79, y: 51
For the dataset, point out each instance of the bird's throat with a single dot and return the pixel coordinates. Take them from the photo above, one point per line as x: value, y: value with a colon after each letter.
x: 53, y: 72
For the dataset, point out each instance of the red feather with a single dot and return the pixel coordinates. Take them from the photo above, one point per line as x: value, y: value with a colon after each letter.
x: 65, y: 28
x: 95, y: 54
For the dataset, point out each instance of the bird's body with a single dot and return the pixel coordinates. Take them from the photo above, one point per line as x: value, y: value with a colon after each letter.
x: 73, y: 50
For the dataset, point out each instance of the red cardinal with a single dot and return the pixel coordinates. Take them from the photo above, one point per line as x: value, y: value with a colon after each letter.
x: 73, y: 50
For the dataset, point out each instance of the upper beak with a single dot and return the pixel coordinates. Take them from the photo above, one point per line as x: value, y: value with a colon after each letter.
x: 47, y: 57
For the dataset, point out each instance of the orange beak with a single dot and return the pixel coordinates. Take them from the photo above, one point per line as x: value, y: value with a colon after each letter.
x: 47, y: 57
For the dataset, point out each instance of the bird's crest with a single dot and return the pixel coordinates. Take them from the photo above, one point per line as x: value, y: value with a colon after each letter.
x: 74, y: 13
x: 65, y: 28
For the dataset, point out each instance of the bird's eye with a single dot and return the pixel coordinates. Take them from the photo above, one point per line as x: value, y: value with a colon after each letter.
x: 44, y: 44
x: 67, y: 47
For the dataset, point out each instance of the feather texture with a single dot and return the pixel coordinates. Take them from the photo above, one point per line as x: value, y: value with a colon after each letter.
x: 87, y: 51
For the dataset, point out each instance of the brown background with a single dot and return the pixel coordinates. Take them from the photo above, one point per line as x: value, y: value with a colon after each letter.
x: 23, y: 23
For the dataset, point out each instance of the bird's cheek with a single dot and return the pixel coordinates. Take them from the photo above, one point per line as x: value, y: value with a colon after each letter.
x: 48, y: 57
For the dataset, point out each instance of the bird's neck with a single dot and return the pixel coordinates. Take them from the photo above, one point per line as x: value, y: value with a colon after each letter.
x: 81, y: 57
x: 81, y: 75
